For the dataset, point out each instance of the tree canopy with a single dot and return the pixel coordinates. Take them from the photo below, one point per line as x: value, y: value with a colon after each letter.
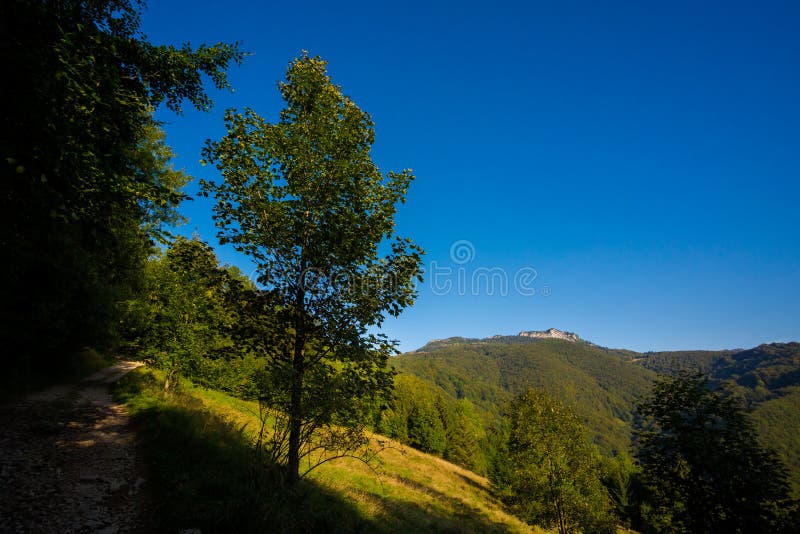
x: 185, y: 320
x: 703, y: 463
x: 547, y: 470
x: 85, y: 180
x: 304, y: 200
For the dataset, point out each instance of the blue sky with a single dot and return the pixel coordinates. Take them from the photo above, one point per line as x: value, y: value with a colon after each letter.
x: 642, y: 160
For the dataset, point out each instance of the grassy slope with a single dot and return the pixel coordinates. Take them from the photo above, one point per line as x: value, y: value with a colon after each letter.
x: 198, y: 447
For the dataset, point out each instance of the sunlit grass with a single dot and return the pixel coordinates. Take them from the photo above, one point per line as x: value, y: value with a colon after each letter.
x: 406, y: 491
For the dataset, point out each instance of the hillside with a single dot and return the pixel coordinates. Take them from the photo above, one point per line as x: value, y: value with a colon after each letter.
x: 198, y: 444
x: 602, y: 384
x: 766, y: 378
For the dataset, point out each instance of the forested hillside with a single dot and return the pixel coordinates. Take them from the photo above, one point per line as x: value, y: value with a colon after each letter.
x: 603, y: 385
x: 767, y: 381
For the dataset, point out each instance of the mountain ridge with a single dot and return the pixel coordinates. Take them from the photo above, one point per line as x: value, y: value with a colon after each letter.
x: 555, y: 333
x: 532, y: 335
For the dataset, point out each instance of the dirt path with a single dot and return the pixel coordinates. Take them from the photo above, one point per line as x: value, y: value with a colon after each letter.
x: 68, y: 460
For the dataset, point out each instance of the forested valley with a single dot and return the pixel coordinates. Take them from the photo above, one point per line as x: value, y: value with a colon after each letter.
x: 273, y: 401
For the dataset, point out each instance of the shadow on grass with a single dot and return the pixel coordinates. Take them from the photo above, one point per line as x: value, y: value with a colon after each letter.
x: 478, y: 487
x: 462, y: 518
x: 203, y: 475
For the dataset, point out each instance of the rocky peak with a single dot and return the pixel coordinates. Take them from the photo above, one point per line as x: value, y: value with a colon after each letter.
x: 552, y: 333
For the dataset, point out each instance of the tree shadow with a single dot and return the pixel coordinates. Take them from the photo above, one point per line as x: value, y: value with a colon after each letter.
x: 203, y: 474
x: 474, y: 484
x: 412, y: 517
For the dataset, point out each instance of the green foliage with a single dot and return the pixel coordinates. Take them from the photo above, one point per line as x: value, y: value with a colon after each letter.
x: 623, y: 480
x: 153, y: 165
x: 551, y: 474
x: 407, y: 392
x: 425, y: 417
x: 601, y: 385
x: 464, y: 431
x: 85, y: 182
x: 760, y: 373
x: 425, y: 429
x: 702, y: 461
x: 672, y: 362
x: 185, y: 317
x: 304, y: 200
x: 765, y: 379
x: 778, y: 423
x: 754, y: 375
x: 203, y: 473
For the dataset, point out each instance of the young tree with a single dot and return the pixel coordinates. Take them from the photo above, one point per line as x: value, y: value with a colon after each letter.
x: 623, y: 479
x: 425, y: 429
x: 462, y: 429
x: 702, y: 461
x: 550, y: 474
x: 304, y: 200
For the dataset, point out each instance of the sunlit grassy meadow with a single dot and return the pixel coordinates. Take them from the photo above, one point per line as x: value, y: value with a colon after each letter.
x: 198, y: 444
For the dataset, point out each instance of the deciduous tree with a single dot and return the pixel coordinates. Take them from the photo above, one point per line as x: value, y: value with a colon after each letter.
x: 304, y: 200
x: 184, y: 318
x: 551, y: 474
x: 703, y: 463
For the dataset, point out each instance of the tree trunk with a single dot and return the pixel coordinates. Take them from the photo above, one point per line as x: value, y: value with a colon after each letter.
x: 555, y: 492
x: 296, y: 408
x: 295, y: 416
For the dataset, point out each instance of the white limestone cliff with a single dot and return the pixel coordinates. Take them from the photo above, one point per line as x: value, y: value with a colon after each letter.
x: 552, y: 333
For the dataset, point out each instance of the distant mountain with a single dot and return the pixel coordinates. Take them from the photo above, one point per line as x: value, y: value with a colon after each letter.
x: 552, y: 333
x: 603, y: 384
x: 526, y: 335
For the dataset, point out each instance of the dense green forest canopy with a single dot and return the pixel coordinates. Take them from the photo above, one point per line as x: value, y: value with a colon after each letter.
x: 603, y: 385
x: 600, y: 384
x: 702, y: 461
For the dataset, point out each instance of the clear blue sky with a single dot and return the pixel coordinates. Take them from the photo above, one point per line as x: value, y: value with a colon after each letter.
x: 643, y: 159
